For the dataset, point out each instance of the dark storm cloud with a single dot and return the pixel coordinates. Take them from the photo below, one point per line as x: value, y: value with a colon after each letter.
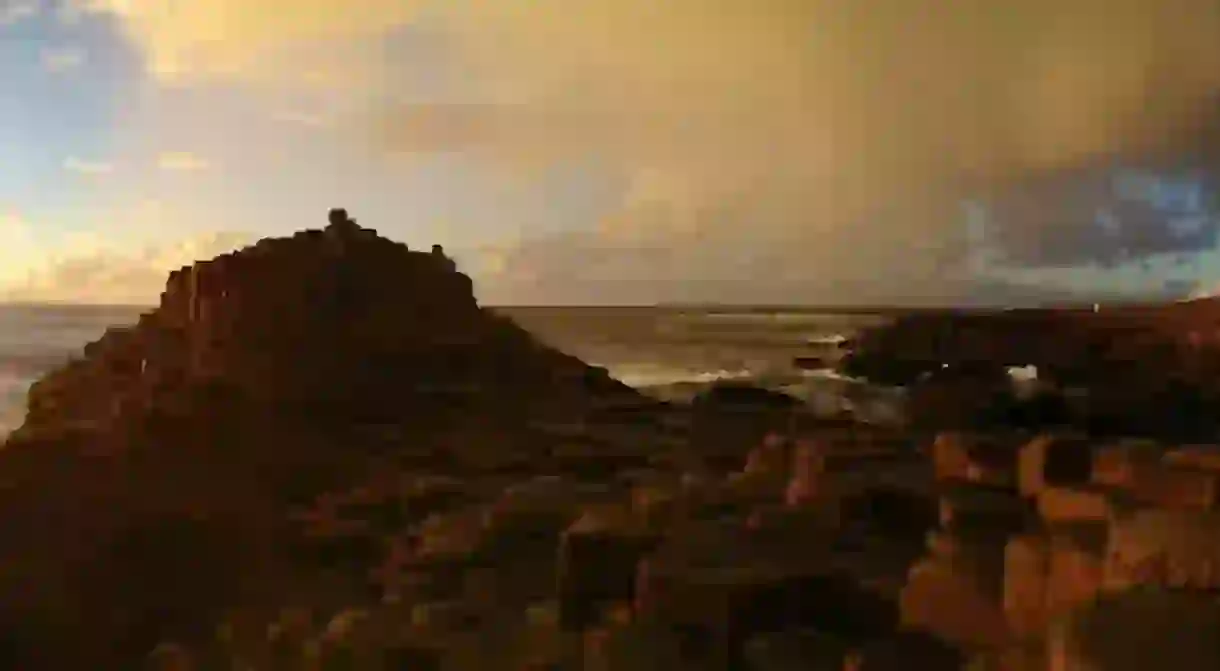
x: 822, y: 148
x: 1103, y: 215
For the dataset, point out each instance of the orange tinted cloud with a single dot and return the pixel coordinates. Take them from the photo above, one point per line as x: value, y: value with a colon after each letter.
x: 87, y: 167
x: 828, y: 140
x: 179, y: 161
x: 89, y: 271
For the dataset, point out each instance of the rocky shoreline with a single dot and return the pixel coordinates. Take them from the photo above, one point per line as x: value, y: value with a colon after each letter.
x: 1141, y: 370
x: 320, y: 452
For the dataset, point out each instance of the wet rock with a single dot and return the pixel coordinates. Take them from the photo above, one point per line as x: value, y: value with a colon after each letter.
x: 720, y: 579
x: 1140, y: 629
x: 598, y: 556
x: 413, y: 657
x: 444, y: 616
x: 943, y: 601
x: 889, y: 512
x: 1052, y: 460
x: 796, y: 650
x: 961, y: 398
x: 730, y: 418
x: 170, y: 657
x: 644, y: 645
x: 984, y: 509
x: 810, y: 362
x: 1164, y: 547
x: 808, y: 464
x: 909, y: 650
x: 734, y: 396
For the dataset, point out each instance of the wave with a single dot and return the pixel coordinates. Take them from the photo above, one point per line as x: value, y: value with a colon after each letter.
x: 832, y: 339
x: 831, y: 374
x: 825, y: 391
x: 646, y: 376
x: 649, y: 375
x: 773, y: 317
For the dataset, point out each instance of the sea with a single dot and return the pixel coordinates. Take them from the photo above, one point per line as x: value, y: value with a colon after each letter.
x: 668, y: 352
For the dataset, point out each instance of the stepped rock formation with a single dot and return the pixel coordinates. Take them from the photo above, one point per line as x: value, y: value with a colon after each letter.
x: 337, y: 324
x: 147, y: 491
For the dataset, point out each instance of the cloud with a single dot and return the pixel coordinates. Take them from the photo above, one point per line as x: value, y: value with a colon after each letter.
x: 187, y: 42
x: 823, y: 146
x: 123, y: 258
x: 74, y: 164
x: 62, y: 59
x: 15, y: 11
x: 887, y: 89
x: 181, y: 162
x: 1104, y: 216
x: 17, y: 248
x: 70, y: 12
x: 88, y: 269
x: 300, y: 118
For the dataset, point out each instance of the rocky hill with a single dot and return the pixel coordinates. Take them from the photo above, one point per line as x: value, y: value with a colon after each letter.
x: 337, y: 324
x: 160, y: 478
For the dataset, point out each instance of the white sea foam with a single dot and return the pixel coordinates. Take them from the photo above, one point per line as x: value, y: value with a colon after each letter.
x: 832, y: 339
x: 645, y: 376
x: 830, y: 374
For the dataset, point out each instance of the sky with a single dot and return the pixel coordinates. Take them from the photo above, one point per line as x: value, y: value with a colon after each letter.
x: 635, y: 151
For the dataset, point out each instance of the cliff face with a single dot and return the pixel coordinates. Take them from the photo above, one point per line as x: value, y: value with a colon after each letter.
x: 265, y: 379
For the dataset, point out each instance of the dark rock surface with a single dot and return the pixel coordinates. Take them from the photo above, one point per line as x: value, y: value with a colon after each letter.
x: 1130, y: 370
x: 729, y: 418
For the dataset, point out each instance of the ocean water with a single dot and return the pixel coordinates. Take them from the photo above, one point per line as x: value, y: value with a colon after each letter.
x: 673, y: 353
x: 37, y: 338
x: 668, y: 352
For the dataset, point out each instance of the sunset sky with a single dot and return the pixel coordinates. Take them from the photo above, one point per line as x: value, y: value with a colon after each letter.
x: 625, y: 151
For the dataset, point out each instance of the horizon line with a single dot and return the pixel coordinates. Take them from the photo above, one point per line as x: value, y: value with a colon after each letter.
x: 812, y: 308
